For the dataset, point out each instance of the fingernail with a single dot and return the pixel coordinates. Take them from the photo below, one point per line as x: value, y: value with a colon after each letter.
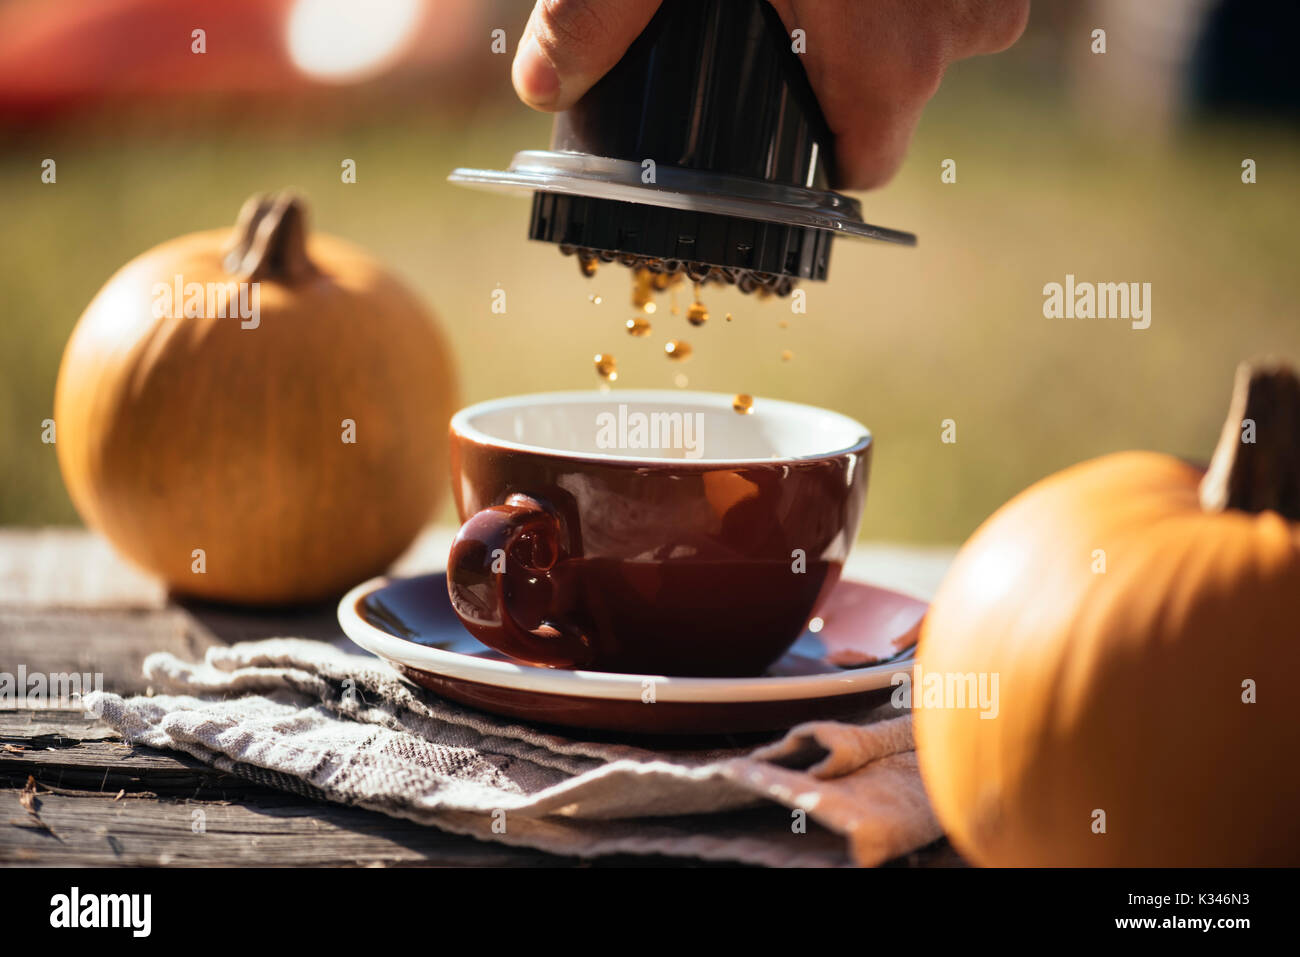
x: 535, y: 78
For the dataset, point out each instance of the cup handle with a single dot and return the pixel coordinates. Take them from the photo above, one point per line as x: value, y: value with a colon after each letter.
x: 488, y: 553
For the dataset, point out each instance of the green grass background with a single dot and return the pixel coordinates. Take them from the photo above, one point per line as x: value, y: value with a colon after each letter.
x: 900, y: 338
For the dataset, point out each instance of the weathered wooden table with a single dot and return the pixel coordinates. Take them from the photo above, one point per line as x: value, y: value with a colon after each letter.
x: 68, y: 604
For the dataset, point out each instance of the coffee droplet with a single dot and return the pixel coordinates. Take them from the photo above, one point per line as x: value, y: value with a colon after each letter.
x: 728, y: 317
x: 643, y: 291
x: 783, y: 324
x: 649, y: 308
x: 606, y: 367
x: 743, y: 403
x: 677, y: 349
x: 636, y: 326
x: 587, y: 264
x: 666, y: 280
x: 696, y: 314
x: 786, y: 355
x: 595, y: 298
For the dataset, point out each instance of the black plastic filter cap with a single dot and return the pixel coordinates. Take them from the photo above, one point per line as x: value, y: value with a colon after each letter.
x: 713, y: 86
x: 702, y: 151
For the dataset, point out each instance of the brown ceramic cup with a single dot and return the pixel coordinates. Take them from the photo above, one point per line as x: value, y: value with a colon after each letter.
x: 650, y: 532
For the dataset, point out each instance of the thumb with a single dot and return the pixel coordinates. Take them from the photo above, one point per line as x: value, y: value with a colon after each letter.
x: 570, y: 44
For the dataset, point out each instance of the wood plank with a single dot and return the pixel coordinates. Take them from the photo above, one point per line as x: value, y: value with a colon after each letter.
x: 912, y: 569
x: 81, y: 768
x: 85, y: 765
x: 268, y: 829
x: 102, y: 803
x: 69, y: 568
x: 101, y: 768
x: 51, y: 727
x: 262, y: 829
x: 115, y: 642
x: 69, y: 604
x: 114, y: 637
x: 66, y: 749
x: 74, y: 568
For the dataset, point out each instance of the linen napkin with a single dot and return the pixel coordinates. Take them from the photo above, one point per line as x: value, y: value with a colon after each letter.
x: 309, y: 718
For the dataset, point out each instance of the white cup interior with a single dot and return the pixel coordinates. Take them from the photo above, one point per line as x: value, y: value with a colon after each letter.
x: 660, y: 426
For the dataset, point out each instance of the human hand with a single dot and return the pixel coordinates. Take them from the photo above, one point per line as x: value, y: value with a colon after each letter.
x: 873, y: 64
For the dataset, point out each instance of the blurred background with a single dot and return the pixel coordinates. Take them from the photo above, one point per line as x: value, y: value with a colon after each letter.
x: 1123, y: 166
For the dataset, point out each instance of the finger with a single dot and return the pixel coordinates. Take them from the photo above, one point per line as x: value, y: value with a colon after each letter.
x: 875, y: 65
x: 870, y: 152
x: 570, y: 44
x: 871, y: 148
x: 985, y: 26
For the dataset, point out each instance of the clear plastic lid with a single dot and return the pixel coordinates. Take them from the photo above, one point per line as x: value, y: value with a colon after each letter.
x: 600, y: 177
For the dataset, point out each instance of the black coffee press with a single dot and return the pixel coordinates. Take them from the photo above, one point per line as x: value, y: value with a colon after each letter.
x: 702, y: 151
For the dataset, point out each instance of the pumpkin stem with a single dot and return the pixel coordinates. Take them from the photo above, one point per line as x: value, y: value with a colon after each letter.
x: 270, y: 240
x: 1256, y: 465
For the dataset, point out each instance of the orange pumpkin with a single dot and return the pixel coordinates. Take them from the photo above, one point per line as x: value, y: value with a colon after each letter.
x: 278, y: 454
x: 1142, y: 617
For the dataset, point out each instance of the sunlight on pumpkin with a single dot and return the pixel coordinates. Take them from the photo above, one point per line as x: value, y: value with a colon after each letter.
x: 342, y: 41
x: 994, y: 578
x: 120, y: 316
